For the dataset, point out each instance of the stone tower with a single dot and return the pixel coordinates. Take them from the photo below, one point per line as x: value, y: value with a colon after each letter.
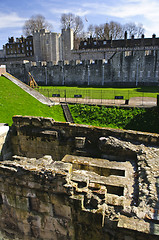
x: 67, y: 43
x: 46, y: 46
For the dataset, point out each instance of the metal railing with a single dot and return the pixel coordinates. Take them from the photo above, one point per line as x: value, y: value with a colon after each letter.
x: 101, y: 96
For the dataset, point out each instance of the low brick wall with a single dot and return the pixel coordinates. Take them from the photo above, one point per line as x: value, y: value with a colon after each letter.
x: 35, y: 137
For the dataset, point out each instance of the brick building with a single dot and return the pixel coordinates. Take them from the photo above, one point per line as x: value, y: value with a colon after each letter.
x: 19, y: 48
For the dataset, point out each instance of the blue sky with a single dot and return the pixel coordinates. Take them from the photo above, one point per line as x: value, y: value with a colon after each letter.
x: 13, y: 14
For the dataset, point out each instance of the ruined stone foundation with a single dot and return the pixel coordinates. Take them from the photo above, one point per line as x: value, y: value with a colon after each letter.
x: 74, y: 182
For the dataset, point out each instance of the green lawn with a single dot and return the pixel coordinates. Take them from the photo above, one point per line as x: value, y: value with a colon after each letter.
x: 99, y: 93
x: 15, y: 101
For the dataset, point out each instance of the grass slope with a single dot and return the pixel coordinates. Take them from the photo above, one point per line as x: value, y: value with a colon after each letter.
x: 15, y: 101
x: 139, y: 119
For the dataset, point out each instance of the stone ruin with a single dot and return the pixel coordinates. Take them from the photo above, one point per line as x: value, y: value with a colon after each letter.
x: 75, y: 182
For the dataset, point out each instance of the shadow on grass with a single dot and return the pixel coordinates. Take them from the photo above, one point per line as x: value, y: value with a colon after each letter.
x: 145, y: 122
x: 154, y: 89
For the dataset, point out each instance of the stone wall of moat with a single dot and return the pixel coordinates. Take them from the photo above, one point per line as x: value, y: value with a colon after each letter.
x: 75, y: 182
x: 132, y: 67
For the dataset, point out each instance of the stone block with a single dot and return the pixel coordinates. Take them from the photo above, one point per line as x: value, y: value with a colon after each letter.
x: 22, y: 203
x: 24, y: 228
x: 11, y: 200
x: 129, y: 238
x: 48, y: 235
x: 64, y: 167
x: 154, y: 229
x: 34, y: 185
x: 46, y: 208
x: 47, y: 223
x: 80, y: 142
x: 3, y: 187
x: 60, y: 228
x: 22, y: 215
x: 62, y: 211
x: 43, y: 196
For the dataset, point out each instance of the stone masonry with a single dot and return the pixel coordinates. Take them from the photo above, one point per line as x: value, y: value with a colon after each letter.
x: 75, y: 182
x: 122, y: 68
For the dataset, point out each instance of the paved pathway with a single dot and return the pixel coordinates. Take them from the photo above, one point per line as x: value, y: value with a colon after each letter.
x: 41, y: 98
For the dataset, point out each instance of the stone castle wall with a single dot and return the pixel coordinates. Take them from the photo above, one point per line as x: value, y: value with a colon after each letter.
x: 44, y: 136
x: 124, y: 68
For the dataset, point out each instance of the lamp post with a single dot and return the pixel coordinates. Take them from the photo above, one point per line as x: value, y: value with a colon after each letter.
x: 137, y: 72
x: 46, y: 76
x: 88, y: 75
x: 103, y: 75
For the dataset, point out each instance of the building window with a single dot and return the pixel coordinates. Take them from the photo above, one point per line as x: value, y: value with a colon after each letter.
x: 31, y: 48
x: 95, y: 43
x: 18, y: 45
x: 148, y: 74
x: 128, y: 53
x: 26, y: 42
x: 104, y: 42
x: 27, y: 48
x: 85, y: 43
x: 22, y: 51
x: 148, y: 52
x: 22, y: 45
x: 133, y: 74
x: 30, y: 42
x: 31, y: 54
x: 27, y: 54
x: 7, y: 46
x: 141, y: 73
x: 11, y: 51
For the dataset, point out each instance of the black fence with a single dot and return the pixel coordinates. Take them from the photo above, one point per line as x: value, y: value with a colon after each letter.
x: 101, y: 96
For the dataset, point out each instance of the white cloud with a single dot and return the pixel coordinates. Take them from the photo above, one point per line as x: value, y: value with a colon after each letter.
x: 11, y: 20
x: 77, y: 11
x: 128, y: 10
x: 125, y: 8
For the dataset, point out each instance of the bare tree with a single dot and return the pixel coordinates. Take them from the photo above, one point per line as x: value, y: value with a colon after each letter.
x: 133, y: 29
x: 36, y: 22
x: 72, y: 21
x: 112, y: 30
x: 78, y: 26
x: 115, y: 30
x: 141, y: 30
x: 99, y: 31
x: 91, y: 30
